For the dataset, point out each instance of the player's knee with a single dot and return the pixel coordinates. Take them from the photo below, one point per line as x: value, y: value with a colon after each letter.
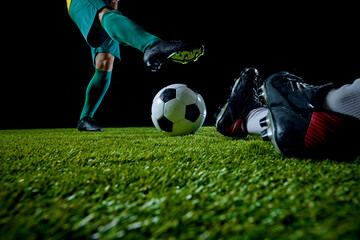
x: 104, y: 61
x: 104, y: 10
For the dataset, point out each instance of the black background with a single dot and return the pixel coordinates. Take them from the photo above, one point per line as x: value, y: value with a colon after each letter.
x: 47, y: 64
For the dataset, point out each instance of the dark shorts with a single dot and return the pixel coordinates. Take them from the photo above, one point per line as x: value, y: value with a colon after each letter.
x: 109, y: 46
x: 84, y: 14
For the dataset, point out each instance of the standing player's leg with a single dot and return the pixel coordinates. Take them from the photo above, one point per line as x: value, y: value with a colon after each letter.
x: 96, y: 91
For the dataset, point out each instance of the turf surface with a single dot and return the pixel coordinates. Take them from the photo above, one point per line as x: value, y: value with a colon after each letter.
x: 135, y: 183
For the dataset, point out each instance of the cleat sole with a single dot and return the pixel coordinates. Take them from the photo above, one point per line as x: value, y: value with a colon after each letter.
x: 262, y: 92
x: 270, y: 132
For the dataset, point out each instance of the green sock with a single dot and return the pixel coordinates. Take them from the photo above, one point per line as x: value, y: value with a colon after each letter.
x: 95, y: 92
x: 126, y: 32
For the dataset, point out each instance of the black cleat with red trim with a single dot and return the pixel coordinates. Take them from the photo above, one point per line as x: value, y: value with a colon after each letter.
x: 299, y: 126
x: 230, y: 121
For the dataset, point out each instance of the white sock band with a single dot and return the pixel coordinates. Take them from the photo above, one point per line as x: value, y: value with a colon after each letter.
x: 253, y: 120
x: 345, y: 100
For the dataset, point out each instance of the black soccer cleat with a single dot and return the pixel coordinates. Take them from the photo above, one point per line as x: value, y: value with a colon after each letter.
x: 299, y: 126
x: 231, y: 119
x: 88, y: 124
x: 173, y: 51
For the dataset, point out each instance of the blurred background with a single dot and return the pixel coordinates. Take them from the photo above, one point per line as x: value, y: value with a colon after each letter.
x: 47, y: 64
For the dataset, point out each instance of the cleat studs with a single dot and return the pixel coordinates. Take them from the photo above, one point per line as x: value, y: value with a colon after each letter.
x: 261, y: 91
x: 155, y: 66
x: 264, y: 122
x: 264, y: 135
x: 262, y: 88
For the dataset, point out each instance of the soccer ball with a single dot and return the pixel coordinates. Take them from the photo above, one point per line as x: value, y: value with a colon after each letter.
x: 178, y: 110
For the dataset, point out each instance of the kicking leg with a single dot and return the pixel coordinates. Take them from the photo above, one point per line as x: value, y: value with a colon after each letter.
x: 156, y: 51
x: 125, y: 31
x: 96, y: 91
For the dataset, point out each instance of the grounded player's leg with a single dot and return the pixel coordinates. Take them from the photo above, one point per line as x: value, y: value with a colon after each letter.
x: 243, y: 107
x: 96, y: 91
x: 345, y: 100
x: 298, y: 124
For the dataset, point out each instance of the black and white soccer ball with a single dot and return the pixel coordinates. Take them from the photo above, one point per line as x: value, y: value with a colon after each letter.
x: 178, y: 110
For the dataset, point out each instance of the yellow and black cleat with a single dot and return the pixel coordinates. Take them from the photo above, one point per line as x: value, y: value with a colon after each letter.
x: 187, y: 56
x: 173, y: 51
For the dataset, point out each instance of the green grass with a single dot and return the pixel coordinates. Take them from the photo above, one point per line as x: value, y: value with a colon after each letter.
x: 135, y: 183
